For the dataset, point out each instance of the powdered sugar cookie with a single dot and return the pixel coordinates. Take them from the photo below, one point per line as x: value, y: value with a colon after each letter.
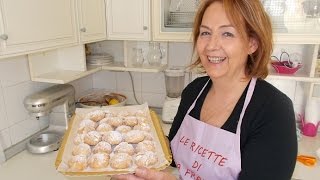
x: 92, y: 138
x: 142, y: 119
x: 112, y: 137
x: 81, y: 149
x: 134, y: 136
x: 96, y: 115
x: 121, y: 161
x: 130, y: 121
x: 115, y: 121
x: 99, y: 160
x: 142, y: 127
x: 102, y: 147
x: 78, y: 139
x: 146, y: 145
x: 124, y: 147
x: 87, y: 125
x: 145, y: 159
x: 109, y: 113
x: 104, y: 127
x: 147, y: 136
x: 123, y: 114
x: 123, y: 129
x: 77, y: 163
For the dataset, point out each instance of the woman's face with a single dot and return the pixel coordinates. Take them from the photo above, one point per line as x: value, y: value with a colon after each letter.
x: 223, y: 52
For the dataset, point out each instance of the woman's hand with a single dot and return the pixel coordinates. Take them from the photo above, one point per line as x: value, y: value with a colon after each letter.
x: 146, y: 174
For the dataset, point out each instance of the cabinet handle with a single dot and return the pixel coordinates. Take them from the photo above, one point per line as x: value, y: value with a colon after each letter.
x: 145, y: 28
x: 83, y: 29
x: 3, y: 36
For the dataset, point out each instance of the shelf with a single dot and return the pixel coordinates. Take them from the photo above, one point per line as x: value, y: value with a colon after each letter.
x: 120, y: 67
x: 65, y: 76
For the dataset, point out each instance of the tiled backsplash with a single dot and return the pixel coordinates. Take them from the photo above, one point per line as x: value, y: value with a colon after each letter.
x: 15, y: 84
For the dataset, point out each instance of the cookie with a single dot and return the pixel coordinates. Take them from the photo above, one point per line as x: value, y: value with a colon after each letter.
x: 78, y: 139
x: 96, y: 115
x: 145, y: 159
x: 92, y: 138
x: 77, y: 163
x: 123, y: 129
x: 102, y: 147
x: 112, y: 137
x: 130, y: 121
x: 146, y: 145
x: 104, y: 127
x: 121, y: 161
x: 134, y: 136
x: 115, y: 121
x: 99, y: 160
x: 81, y: 149
x: 87, y: 125
x: 142, y: 127
x: 124, y: 147
x: 147, y: 136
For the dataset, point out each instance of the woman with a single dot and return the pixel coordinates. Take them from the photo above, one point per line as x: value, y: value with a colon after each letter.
x: 232, y: 124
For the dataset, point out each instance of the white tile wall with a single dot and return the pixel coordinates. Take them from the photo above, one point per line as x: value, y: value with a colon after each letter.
x: 105, y: 80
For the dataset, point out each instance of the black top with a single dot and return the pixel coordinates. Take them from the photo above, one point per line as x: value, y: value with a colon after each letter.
x: 268, y: 140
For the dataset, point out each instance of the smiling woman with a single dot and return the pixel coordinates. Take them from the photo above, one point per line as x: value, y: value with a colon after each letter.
x: 232, y: 120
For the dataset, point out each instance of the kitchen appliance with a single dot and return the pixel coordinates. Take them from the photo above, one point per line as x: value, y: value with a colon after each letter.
x: 174, y: 81
x: 40, y: 104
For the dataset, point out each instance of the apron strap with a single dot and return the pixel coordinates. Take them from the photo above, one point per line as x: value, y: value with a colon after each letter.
x: 194, y: 102
x: 246, y: 102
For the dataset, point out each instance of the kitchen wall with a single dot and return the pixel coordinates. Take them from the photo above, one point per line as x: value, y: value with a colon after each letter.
x: 15, y: 84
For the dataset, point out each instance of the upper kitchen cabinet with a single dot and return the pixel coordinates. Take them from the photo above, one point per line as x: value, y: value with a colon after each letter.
x: 92, y: 20
x: 294, y: 21
x: 27, y: 26
x: 172, y: 19
x: 128, y: 20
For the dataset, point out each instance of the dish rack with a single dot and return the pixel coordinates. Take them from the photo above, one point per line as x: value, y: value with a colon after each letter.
x: 181, y: 13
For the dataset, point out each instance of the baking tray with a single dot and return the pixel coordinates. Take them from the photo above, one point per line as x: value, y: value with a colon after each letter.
x: 67, y: 143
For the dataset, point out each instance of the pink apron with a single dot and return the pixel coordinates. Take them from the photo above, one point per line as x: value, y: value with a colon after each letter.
x: 202, y: 151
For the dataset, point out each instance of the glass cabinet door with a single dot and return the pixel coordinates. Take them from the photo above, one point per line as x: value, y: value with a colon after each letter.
x: 294, y: 21
x: 294, y: 16
x: 178, y: 15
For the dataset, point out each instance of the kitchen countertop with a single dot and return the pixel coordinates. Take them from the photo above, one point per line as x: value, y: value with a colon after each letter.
x: 29, y: 166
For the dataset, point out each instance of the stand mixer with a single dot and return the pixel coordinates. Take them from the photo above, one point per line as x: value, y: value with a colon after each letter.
x: 41, y: 104
x: 174, y: 80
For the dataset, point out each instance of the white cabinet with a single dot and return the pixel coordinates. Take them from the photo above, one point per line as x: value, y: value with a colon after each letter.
x: 92, y: 20
x: 128, y: 20
x: 31, y: 25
